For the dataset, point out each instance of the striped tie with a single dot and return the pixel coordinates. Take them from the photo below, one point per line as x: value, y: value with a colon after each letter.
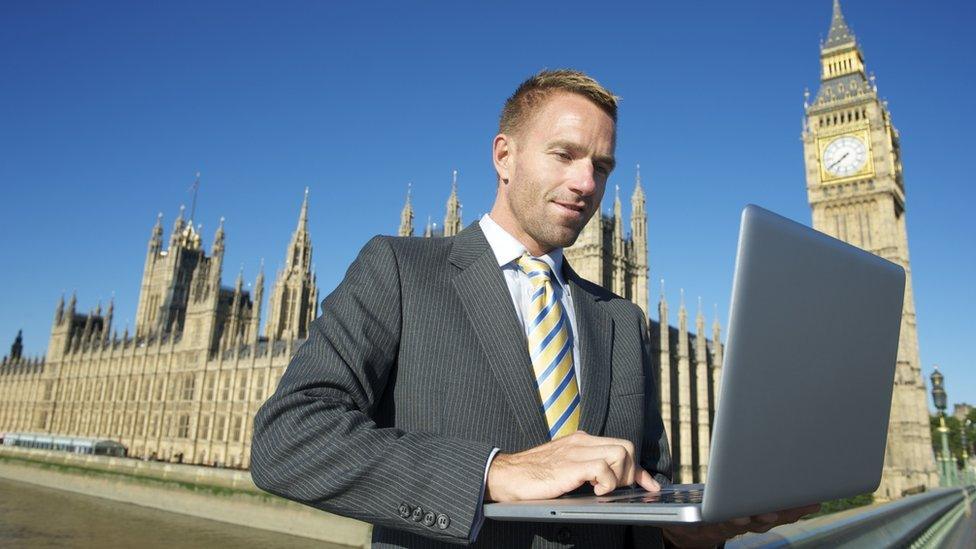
x: 551, y: 351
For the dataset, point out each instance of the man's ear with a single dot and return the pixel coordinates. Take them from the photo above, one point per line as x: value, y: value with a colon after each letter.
x: 502, y: 149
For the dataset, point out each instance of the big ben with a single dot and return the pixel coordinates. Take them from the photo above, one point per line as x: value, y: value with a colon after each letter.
x: 857, y: 194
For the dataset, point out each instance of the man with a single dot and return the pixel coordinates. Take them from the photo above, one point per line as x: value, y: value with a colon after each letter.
x: 445, y: 373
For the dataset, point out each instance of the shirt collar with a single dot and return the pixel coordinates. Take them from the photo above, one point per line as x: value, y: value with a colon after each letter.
x: 507, y: 248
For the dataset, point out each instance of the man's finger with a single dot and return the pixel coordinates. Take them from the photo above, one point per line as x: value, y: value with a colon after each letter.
x: 646, y: 480
x: 599, y: 471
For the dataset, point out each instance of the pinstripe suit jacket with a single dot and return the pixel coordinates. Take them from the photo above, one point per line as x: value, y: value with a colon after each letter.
x: 416, y: 370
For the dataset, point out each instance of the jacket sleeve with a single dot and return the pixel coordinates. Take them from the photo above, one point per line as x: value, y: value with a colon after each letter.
x: 315, y: 439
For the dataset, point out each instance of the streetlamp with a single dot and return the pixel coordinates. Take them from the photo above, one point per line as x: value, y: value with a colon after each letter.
x: 939, y: 397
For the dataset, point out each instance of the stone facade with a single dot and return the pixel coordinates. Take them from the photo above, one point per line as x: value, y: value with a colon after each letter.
x: 857, y: 194
x: 186, y: 385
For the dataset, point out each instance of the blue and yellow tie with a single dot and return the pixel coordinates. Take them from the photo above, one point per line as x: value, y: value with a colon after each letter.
x: 551, y: 351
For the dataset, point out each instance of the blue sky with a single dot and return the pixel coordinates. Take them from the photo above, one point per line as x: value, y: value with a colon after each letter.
x: 108, y: 109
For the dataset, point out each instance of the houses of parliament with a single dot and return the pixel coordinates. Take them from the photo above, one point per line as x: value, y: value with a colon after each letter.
x: 186, y: 383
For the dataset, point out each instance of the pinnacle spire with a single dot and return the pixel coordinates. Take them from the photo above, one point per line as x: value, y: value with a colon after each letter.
x: 218, y: 242
x: 303, y: 216
x: 406, y: 215
x: 840, y: 34
x: 452, y: 219
x: 638, y: 188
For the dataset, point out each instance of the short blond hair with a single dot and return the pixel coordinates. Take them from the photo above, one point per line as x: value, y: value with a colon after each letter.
x: 532, y: 93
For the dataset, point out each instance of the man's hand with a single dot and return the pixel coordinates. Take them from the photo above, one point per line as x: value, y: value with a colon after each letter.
x: 555, y: 468
x: 710, y: 535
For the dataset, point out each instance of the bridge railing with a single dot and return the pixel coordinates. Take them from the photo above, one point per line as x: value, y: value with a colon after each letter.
x: 922, y: 520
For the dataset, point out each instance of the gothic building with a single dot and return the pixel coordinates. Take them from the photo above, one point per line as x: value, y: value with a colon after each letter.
x: 857, y: 194
x: 187, y: 383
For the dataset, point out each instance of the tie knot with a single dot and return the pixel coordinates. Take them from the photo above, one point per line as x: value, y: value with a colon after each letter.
x: 536, y: 269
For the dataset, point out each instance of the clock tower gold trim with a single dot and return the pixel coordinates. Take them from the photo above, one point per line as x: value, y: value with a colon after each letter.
x: 867, y: 170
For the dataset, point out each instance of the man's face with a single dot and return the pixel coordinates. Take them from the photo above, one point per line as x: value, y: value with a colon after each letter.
x: 553, y: 172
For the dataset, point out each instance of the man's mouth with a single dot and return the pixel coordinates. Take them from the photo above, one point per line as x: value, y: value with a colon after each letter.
x: 572, y: 206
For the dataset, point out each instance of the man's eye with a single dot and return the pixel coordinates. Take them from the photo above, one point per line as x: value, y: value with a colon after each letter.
x: 564, y: 155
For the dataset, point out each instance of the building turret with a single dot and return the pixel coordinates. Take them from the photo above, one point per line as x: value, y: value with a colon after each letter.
x: 17, y: 349
x: 63, y: 328
x: 452, y: 219
x: 233, y: 324
x: 684, y: 397
x: 89, y: 321
x: 256, y: 311
x: 638, y: 236
x: 217, y: 248
x: 156, y: 237
x: 179, y: 225
x: 107, y: 323
x: 59, y: 312
x: 701, y: 388
x: 406, y: 217
x: 292, y: 306
x: 618, y: 258
x: 664, y: 335
x: 716, y: 358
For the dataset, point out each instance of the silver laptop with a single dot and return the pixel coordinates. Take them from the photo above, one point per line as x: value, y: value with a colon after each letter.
x: 805, y: 393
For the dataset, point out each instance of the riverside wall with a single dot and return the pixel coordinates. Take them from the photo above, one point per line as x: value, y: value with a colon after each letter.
x: 223, y: 495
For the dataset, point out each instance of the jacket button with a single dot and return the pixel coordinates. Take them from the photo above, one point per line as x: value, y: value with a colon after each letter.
x: 564, y: 536
x: 418, y: 514
x: 404, y: 510
x: 429, y: 519
x: 443, y: 522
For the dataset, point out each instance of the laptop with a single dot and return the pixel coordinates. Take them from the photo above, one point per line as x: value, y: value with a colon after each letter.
x: 805, y: 393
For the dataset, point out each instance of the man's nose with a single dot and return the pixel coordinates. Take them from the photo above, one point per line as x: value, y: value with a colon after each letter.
x: 583, y: 181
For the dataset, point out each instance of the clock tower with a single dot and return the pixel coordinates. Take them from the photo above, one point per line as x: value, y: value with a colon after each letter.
x: 857, y: 194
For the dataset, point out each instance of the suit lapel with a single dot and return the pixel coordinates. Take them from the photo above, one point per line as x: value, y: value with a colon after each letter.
x: 595, y: 333
x: 488, y: 306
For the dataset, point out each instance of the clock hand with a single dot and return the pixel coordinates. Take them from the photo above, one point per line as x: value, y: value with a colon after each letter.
x: 838, y: 160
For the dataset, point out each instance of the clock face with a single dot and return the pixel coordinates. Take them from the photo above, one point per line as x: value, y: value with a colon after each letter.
x: 845, y: 156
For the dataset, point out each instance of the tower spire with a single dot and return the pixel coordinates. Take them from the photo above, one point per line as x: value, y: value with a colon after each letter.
x: 406, y: 215
x: 292, y: 303
x: 178, y: 226
x: 303, y: 215
x: 840, y: 34
x: 452, y: 219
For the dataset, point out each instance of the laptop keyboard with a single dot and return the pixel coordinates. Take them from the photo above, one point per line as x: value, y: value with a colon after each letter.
x: 667, y: 495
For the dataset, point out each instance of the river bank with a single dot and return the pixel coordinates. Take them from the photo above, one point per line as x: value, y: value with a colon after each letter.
x: 223, y: 495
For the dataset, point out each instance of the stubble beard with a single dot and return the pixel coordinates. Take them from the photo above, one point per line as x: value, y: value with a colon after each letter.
x: 537, y: 225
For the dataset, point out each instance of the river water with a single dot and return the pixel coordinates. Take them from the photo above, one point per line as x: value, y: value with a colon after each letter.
x: 33, y: 516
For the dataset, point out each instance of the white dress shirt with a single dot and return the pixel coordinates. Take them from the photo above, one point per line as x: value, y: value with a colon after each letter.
x: 507, y: 250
